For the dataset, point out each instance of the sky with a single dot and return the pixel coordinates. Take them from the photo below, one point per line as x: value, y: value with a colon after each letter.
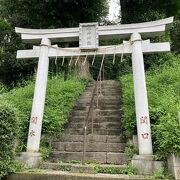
x: 114, y: 9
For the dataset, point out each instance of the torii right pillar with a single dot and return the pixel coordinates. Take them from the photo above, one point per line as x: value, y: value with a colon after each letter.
x: 141, y: 101
x: 144, y: 161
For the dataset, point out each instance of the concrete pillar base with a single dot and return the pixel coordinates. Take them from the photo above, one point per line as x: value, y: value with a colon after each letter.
x: 174, y: 166
x: 30, y: 159
x: 145, y: 164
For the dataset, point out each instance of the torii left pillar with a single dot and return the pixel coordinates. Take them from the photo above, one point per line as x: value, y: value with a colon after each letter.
x: 32, y: 156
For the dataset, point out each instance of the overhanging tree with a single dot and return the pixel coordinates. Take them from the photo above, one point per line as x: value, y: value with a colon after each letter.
x: 133, y: 11
x: 43, y: 14
x: 137, y: 10
x: 53, y: 13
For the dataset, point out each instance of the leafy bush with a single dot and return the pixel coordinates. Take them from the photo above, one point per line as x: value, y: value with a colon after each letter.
x: 164, y: 103
x: 130, y: 150
x: 60, y: 99
x: 2, y: 88
x: 130, y: 170
x: 8, y: 136
x: 162, y: 173
x: 110, y: 170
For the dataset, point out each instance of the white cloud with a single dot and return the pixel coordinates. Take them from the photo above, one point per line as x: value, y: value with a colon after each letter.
x: 114, y: 10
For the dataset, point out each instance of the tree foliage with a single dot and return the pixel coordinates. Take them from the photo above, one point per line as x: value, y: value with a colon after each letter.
x: 8, y: 137
x: 60, y: 99
x: 134, y: 11
x: 163, y: 95
x: 53, y: 13
x: 39, y: 14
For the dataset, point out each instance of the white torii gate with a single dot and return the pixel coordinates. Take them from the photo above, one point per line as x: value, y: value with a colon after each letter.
x: 88, y: 35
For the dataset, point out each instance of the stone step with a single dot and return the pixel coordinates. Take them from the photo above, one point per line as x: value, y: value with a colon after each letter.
x: 106, y: 99
x: 88, y: 90
x: 114, y: 101
x: 106, y: 86
x: 99, y: 119
x: 79, y: 113
x: 84, y: 103
x: 99, y: 111
x: 62, y: 175
x: 112, y: 118
x: 113, y: 94
x: 101, y: 157
x: 75, y: 125
x: 109, y: 81
x: 85, y: 97
x: 82, y: 108
x: 90, y: 147
x: 91, y: 85
x: 103, y: 106
x: 99, y: 131
x: 103, y: 110
x: 107, y: 112
x: 77, y: 119
x: 115, y: 139
x: 110, y: 92
x: 105, y: 82
x: 109, y: 99
x: 105, y: 125
x: 116, y: 96
x: 91, y: 138
x: 78, y: 168
x: 109, y: 87
x: 109, y: 102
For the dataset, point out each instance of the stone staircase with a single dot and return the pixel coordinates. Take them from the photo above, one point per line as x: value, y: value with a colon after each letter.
x: 106, y: 145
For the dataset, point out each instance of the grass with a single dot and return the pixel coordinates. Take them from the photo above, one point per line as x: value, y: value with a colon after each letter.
x: 163, y: 86
x: 60, y: 99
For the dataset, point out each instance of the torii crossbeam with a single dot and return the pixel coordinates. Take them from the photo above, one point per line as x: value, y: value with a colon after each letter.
x: 88, y: 36
x: 125, y: 48
x: 124, y: 31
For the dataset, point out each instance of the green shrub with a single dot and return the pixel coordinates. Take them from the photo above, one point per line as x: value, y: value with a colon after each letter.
x: 162, y: 173
x: 130, y: 150
x: 128, y: 116
x: 8, y: 135
x: 164, y: 103
x: 2, y: 88
x: 60, y: 99
x: 109, y: 170
x: 130, y: 170
x: 63, y: 167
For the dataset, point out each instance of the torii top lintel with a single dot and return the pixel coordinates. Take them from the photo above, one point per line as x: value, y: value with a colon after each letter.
x: 146, y: 29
